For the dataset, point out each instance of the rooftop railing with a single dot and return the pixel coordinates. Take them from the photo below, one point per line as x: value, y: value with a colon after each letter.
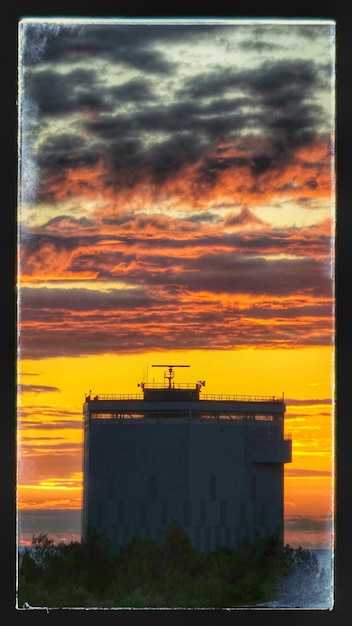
x: 211, y: 397
x: 114, y: 396
x: 173, y: 385
x: 243, y: 398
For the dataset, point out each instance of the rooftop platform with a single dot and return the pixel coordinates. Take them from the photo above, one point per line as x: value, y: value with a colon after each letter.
x: 182, y: 398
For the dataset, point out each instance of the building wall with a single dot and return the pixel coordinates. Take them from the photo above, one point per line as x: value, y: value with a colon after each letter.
x: 139, y: 476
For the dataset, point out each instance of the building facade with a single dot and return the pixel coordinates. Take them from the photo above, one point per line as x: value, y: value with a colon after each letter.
x: 213, y: 464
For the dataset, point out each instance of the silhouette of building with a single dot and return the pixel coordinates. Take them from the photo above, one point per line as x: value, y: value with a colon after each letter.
x: 213, y: 464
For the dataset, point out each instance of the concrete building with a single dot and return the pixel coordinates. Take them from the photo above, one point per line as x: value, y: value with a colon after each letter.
x: 214, y: 464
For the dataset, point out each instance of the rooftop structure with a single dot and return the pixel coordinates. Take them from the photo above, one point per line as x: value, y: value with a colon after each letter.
x: 212, y: 463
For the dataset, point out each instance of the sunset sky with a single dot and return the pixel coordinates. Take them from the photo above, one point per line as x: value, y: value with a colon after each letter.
x: 176, y: 204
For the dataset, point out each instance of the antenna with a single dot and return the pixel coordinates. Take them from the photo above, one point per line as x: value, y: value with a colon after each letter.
x: 171, y: 372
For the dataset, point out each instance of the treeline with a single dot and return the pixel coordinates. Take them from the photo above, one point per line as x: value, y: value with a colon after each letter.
x: 169, y: 574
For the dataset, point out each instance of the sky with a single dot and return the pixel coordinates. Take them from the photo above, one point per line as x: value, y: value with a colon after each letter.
x: 176, y: 204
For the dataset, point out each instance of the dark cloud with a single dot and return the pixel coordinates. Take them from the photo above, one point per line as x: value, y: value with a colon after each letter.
x: 244, y: 217
x: 261, y: 163
x: 309, y: 402
x: 37, y: 388
x: 46, y: 303
x: 63, y: 42
x: 46, y: 300
x: 204, y: 216
x: 68, y: 220
x: 149, y: 332
x: 58, y: 521
x: 312, y: 241
x: 283, y: 93
x: 308, y: 524
x: 135, y: 90
x: 277, y: 98
x: 61, y: 94
x: 118, y: 115
x: 230, y: 273
x: 274, y: 82
x: 70, y: 43
x: 48, y: 422
x: 300, y: 415
x: 65, y: 151
x: 218, y: 272
x: 31, y: 414
x: 65, y: 322
x: 292, y: 473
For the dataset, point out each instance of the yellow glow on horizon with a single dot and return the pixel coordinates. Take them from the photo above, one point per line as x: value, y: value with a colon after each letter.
x: 71, y: 282
x: 242, y: 372
x: 39, y: 497
x: 304, y: 375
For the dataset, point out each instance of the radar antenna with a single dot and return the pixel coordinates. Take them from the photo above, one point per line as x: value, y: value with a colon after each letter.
x: 171, y: 374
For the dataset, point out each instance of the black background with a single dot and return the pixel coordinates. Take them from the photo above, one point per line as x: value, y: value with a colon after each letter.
x: 343, y: 282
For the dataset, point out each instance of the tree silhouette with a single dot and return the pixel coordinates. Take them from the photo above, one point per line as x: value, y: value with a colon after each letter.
x: 167, y: 573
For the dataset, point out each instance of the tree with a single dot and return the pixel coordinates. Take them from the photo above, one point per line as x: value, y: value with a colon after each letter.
x: 43, y: 548
x: 97, y: 561
x: 301, y: 587
x: 176, y: 548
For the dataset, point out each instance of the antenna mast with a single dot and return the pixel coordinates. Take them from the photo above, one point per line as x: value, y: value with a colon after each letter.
x: 171, y: 374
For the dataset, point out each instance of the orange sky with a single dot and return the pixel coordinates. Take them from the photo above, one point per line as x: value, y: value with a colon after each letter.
x: 50, y: 434
x: 176, y: 200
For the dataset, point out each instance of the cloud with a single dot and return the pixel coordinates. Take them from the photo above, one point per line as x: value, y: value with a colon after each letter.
x: 72, y: 43
x: 47, y: 301
x: 308, y: 402
x: 219, y: 273
x: 157, y: 147
x: 63, y: 94
x: 281, y: 93
x: 170, y: 282
x: 139, y: 128
x: 51, y: 458
x: 56, y: 523
x: 65, y: 245
x: 22, y: 388
x: 47, y: 420
x: 308, y: 524
x: 74, y: 325
x: 149, y: 277
x: 303, y: 473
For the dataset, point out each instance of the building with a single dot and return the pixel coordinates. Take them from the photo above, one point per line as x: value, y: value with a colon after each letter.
x: 213, y: 464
